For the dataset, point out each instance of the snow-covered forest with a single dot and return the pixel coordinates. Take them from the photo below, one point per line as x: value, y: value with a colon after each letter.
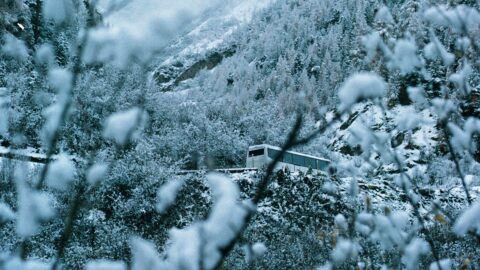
x: 125, y: 128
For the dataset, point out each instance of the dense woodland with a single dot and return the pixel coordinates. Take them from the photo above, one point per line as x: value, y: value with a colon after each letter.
x: 131, y: 123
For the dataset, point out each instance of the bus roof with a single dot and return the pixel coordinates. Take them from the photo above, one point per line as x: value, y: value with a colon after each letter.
x: 279, y: 149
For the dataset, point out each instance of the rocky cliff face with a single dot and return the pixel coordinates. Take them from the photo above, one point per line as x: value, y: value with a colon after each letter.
x: 170, y: 75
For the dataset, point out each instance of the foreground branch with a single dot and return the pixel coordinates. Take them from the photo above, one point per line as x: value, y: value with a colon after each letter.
x: 456, y: 162
x: 262, y: 186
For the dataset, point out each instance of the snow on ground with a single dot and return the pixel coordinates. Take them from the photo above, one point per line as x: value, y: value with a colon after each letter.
x: 424, y: 133
x: 28, y: 152
x: 29, y: 157
x: 380, y: 187
x: 7, y: 166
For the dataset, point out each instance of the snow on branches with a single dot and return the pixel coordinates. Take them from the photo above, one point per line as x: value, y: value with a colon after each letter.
x: 121, y: 126
x: 360, y: 87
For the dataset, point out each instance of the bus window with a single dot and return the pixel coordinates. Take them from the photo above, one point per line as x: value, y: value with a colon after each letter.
x: 310, y: 162
x: 288, y: 158
x: 307, y: 162
x: 298, y: 160
x: 322, y: 165
x: 272, y: 153
x: 256, y: 152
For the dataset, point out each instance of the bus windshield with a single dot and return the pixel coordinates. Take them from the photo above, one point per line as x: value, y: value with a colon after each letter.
x: 256, y: 152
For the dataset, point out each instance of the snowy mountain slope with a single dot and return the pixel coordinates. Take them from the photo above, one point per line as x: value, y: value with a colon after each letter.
x: 416, y: 147
x: 206, y: 43
x: 221, y: 24
x: 391, y: 174
x: 215, y: 26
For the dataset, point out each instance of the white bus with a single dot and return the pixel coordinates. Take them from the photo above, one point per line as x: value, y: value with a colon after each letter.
x: 260, y: 156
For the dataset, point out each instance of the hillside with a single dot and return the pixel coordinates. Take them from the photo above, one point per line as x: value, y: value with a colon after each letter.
x: 114, y: 116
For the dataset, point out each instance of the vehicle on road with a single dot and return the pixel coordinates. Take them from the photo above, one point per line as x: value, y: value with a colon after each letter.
x: 259, y: 156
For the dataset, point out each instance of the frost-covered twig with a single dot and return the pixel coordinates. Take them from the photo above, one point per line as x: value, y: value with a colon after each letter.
x: 462, y: 27
x: 83, y: 190
x: 419, y: 217
x: 456, y: 161
x: 68, y: 229
x: 53, y: 138
x: 261, y: 188
x: 51, y: 146
x: 404, y: 177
